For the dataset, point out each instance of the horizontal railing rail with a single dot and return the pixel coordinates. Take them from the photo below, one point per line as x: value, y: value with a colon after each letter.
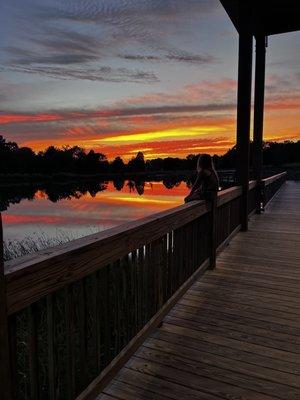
x: 271, y: 185
x: 271, y: 179
x: 77, y: 311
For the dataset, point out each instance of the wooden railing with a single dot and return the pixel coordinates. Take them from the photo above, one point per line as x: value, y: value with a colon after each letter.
x: 271, y: 185
x: 76, y: 312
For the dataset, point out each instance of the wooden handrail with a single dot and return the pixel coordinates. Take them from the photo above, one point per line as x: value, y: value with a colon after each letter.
x: 271, y: 179
x: 33, y: 276
x: 224, y: 196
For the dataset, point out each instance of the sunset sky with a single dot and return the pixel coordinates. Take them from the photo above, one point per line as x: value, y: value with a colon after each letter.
x: 121, y: 76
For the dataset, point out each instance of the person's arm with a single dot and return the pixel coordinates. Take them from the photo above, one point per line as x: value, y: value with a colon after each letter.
x: 195, y: 186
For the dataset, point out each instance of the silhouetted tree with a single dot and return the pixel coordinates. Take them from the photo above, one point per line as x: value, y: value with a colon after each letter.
x: 117, y: 165
x: 137, y: 164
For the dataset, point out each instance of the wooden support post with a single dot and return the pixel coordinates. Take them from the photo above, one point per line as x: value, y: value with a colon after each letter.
x: 244, y: 108
x: 260, y: 66
x: 5, y: 373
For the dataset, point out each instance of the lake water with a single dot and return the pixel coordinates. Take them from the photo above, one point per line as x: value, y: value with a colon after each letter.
x: 67, y: 211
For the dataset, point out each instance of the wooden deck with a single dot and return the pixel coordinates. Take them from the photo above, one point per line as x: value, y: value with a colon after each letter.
x: 236, y: 333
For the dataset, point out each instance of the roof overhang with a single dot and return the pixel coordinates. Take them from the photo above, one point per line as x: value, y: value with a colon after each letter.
x: 267, y: 17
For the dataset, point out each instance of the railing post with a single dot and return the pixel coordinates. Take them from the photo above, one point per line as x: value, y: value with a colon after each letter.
x: 244, y: 107
x: 5, y: 373
x: 260, y: 64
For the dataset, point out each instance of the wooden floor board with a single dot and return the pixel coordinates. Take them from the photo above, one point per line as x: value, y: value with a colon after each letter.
x: 226, y: 373
x: 224, y: 362
x: 184, y: 338
x: 246, y: 305
x: 286, y: 341
x: 236, y: 333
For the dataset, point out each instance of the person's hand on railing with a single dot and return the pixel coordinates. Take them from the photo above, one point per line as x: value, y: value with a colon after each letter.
x: 192, y: 197
x: 187, y: 199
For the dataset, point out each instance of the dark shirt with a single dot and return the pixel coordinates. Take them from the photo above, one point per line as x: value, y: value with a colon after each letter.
x: 206, y: 185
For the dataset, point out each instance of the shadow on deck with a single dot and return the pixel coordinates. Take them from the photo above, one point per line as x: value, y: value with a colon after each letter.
x: 235, y: 334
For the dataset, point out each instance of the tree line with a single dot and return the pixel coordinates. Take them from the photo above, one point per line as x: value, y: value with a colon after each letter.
x: 76, y: 160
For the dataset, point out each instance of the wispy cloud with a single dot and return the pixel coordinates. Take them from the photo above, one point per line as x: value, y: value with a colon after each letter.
x: 101, y: 74
x: 8, y: 118
x: 186, y: 57
x: 72, y: 40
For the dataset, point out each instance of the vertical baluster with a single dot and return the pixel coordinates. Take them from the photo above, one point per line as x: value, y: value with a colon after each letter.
x: 114, y: 284
x: 184, y: 256
x: 181, y: 253
x: 145, y: 285
x: 148, y: 282
x: 93, y: 328
x: 90, y: 327
x: 104, y: 315
x: 98, y: 321
x: 158, y: 249
x: 70, y: 338
x: 175, y: 260
x: 130, y: 304
x: 155, y: 275
x: 13, y: 355
x: 206, y: 236
x: 82, y: 334
x: 165, y: 269
x: 169, y: 264
x: 140, y: 274
x: 135, y: 290
x: 33, y: 353
x: 198, y: 239
x: 190, y: 240
x: 194, y: 247
x: 229, y: 219
x: 50, y: 341
x: 124, y: 305
x: 193, y: 241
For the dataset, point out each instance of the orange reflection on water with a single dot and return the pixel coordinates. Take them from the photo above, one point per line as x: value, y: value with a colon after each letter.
x: 103, y: 210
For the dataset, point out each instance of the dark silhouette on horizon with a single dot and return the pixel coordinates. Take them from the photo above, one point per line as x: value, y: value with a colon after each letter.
x: 76, y: 160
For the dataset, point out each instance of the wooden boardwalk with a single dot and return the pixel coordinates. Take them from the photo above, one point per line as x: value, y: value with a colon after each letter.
x: 236, y: 333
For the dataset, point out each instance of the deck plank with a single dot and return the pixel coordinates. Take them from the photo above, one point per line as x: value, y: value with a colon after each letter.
x: 236, y: 333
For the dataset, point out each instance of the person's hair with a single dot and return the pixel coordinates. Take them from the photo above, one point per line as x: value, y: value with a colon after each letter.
x: 205, y: 161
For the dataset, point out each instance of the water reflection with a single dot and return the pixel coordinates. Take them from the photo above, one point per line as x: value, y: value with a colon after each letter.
x: 55, y: 191
x: 39, y: 215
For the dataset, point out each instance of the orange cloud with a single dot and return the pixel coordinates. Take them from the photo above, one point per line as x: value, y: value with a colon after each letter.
x: 25, y: 118
x: 196, y: 118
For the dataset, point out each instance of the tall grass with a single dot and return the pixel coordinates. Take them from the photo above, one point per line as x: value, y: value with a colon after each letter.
x: 31, y: 244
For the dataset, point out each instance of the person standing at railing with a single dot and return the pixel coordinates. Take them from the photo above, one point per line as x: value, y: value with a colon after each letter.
x: 206, y: 185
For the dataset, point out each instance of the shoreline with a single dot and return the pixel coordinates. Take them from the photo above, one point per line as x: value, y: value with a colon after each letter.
x: 16, y: 179
x: 13, y: 179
